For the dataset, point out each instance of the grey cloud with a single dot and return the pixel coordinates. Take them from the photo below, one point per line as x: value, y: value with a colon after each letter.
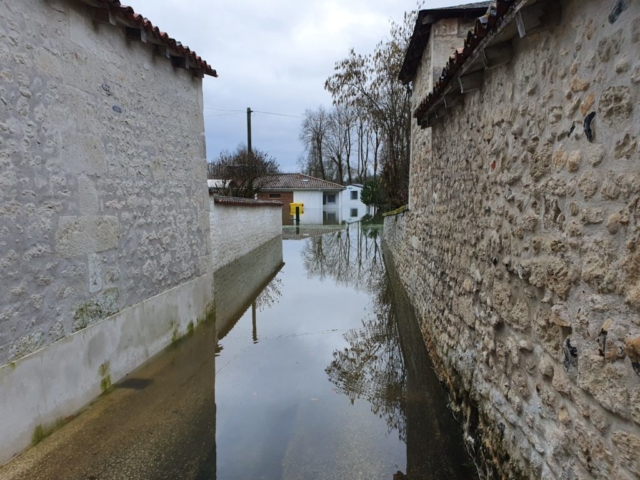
x: 271, y: 56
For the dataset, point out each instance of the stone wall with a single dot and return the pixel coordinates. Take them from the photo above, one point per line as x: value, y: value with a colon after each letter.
x: 520, y: 250
x: 104, y: 228
x: 239, y: 226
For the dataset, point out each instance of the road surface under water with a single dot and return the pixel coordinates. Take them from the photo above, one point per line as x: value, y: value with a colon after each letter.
x: 303, y: 376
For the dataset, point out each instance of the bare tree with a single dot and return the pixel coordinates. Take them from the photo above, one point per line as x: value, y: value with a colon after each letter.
x: 315, y: 127
x: 370, y: 82
x: 238, y: 174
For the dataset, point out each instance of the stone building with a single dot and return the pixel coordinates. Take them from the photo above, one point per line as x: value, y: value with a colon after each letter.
x: 519, y: 248
x: 104, y: 209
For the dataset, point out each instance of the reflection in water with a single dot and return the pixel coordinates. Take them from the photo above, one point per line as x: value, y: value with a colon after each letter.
x: 350, y: 257
x: 249, y: 281
x: 386, y: 362
x: 371, y: 367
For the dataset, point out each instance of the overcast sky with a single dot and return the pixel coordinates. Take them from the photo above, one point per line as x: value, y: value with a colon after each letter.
x: 271, y: 56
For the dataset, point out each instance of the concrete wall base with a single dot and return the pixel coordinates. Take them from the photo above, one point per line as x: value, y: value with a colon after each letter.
x: 56, y: 382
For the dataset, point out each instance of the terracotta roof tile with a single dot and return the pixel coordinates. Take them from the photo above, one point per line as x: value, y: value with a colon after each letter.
x: 248, y: 202
x: 297, y: 181
x: 129, y: 15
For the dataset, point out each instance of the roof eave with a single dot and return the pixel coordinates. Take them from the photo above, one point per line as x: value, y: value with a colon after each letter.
x: 422, y: 32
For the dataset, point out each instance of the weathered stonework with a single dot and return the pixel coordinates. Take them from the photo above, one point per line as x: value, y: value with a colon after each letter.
x: 102, y: 168
x: 105, y: 253
x: 520, y: 250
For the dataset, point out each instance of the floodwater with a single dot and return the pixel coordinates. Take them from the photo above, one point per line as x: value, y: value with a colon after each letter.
x: 313, y: 370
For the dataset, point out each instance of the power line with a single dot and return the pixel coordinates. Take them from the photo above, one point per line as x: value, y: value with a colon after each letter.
x: 223, y: 110
x: 278, y: 114
x: 222, y: 114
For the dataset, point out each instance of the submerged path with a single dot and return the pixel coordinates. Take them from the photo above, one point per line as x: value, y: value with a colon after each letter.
x: 303, y: 377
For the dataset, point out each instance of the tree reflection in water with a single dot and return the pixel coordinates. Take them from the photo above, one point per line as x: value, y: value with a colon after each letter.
x: 371, y: 367
x: 270, y: 295
x: 350, y: 257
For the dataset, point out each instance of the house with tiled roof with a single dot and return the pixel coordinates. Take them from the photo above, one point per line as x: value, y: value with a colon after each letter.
x: 104, y: 211
x: 320, y: 198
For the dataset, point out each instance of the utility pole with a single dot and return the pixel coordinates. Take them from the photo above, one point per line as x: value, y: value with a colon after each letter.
x: 249, y: 130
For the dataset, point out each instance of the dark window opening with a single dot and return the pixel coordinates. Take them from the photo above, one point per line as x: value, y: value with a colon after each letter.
x: 331, y: 199
x: 354, y: 212
x: 354, y: 195
x: 274, y: 195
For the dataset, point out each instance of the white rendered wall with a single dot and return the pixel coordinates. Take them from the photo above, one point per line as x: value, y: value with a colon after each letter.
x: 238, y: 229
x: 312, y: 201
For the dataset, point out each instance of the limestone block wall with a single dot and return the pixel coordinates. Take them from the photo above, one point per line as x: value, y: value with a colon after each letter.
x: 104, y: 230
x: 520, y: 251
x: 239, y: 226
x: 102, y: 197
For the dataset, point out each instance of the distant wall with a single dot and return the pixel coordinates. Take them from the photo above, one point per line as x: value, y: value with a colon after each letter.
x: 520, y: 248
x: 104, y: 231
x: 240, y: 225
x: 283, y: 197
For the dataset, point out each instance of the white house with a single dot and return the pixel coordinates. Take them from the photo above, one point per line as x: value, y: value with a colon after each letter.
x: 321, y: 199
x: 352, y: 207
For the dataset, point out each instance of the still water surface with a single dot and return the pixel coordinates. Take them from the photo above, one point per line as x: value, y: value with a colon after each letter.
x: 311, y: 381
x: 314, y: 370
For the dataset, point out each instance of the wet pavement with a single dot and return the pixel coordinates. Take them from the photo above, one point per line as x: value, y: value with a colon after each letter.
x: 314, y: 370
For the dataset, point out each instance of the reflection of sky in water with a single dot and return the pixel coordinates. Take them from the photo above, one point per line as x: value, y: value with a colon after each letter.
x: 278, y: 414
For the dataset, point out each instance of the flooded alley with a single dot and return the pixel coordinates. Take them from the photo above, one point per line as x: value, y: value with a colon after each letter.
x: 303, y: 376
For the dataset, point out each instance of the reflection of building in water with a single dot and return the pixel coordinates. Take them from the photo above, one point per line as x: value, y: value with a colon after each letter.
x: 249, y: 281
x: 386, y: 362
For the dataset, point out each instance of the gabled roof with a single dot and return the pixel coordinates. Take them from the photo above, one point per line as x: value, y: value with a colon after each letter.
x: 422, y: 30
x: 127, y: 16
x: 297, y: 181
x: 499, y: 27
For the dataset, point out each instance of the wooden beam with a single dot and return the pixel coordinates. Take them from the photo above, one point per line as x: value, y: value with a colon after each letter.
x: 197, y: 72
x: 528, y: 18
x: 497, y: 55
x: 104, y: 15
x: 136, y: 34
x: 441, y: 111
x: 471, y: 82
x: 452, y: 100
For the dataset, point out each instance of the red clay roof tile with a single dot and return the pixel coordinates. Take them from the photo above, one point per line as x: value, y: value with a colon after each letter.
x: 129, y: 14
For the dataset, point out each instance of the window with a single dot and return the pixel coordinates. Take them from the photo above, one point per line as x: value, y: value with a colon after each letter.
x: 354, y: 212
x: 274, y: 195
x: 354, y: 195
x: 331, y: 198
